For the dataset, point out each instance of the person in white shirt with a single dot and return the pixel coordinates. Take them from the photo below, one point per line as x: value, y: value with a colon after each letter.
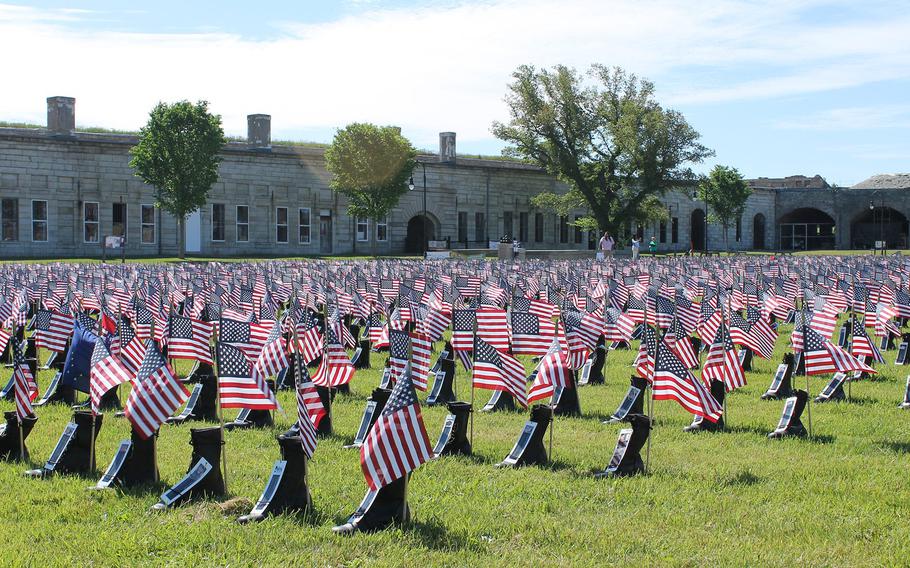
x: 606, y: 245
x: 636, y: 245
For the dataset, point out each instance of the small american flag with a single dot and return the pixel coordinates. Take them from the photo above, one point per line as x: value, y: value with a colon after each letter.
x: 156, y: 394
x: 723, y: 363
x: 25, y: 386
x: 309, y: 411
x: 553, y: 371
x: 398, y: 442
x: 52, y: 330
x: 238, y: 385
x: 861, y: 345
x: 673, y: 381
x: 106, y: 373
x: 531, y: 335
x: 495, y: 370
x: 823, y: 357
x: 189, y: 339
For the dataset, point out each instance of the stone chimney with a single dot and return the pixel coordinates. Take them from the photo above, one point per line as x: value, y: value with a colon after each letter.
x: 61, y: 116
x: 259, y: 131
x: 447, y: 147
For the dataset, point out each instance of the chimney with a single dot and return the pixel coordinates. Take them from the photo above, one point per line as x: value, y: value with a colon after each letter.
x: 447, y: 147
x: 61, y: 116
x: 259, y: 131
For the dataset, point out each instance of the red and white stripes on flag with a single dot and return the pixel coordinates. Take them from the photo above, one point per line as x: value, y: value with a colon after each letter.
x: 335, y: 368
x: 52, y: 330
x: 106, y: 372
x: 531, y: 334
x: 495, y: 370
x: 723, y: 363
x: 673, y: 381
x: 398, y: 442
x: 823, y: 357
x: 189, y: 338
x: 553, y: 371
x: 156, y: 394
x: 421, y: 350
x: 309, y: 412
x: 238, y: 385
x: 493, y: 327
x: 25, y: 387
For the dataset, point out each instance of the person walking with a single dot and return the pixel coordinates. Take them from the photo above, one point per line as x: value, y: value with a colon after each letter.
x: 606, y: 246
x: 652, y: 246
x: 636, y: 246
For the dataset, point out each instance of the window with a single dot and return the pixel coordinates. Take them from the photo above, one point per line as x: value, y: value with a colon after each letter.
x: 674, y: 230
x: 739, y: 228
x: 90, y: 233
x: 463, y: 226
x: 577, y: 231
x: 243, y: 223
x: 507, y: 224
x: 281, y: 225
x: 563, y: 229
x: 479, y: 227
x: 663, y: 231
x: 118, y: 220
x: 39, y: 220
x: 303, y: 230
x: 149, y: 228
x: 363, y: 230
x: 523, y: 227
x: 9, y: 218
x: 218, y: 221
x: 538, y: 227
x: 382, y: 230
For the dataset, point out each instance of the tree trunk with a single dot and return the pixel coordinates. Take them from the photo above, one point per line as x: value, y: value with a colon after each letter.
x: 181, y: 237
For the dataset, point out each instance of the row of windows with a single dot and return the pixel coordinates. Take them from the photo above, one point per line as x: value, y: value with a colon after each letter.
x: 282, y: 225
x: 523, y: 227
x: 91, y: 223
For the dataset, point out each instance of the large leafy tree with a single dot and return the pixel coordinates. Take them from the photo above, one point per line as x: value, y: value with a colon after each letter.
x: 178, y: 154
x: 370, y: 166
x: 725, y: 191
x: 605, y: 136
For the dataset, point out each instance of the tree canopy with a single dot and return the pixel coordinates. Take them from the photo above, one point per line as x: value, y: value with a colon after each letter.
x: 178, y: 154
x: 603, y: 134
x: 370, y: 166
x: 725, y: 191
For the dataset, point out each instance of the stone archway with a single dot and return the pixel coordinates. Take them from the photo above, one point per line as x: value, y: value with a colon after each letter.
x: 758, y: 232
x: 879, y: 223
x: 806, y: 228
x: 420, y: 230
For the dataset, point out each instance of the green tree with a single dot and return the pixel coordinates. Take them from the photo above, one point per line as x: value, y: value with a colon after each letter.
x: 725, y: 191
x: 178, y: 154
x: 606, y: 137
x: 370, y: 166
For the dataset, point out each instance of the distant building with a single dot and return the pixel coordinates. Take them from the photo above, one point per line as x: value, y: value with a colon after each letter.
x: 62, y: 191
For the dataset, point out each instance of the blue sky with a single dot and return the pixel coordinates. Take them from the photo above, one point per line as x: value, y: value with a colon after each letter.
x: 776, y: 87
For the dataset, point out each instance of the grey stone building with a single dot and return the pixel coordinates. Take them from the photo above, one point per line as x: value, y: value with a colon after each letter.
x: 63, y: 191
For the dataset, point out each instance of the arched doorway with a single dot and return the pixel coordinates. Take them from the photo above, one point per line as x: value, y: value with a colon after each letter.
x: 697, y: 229
x: 420, y: 230
x: 879, y: 224
x: 758, y: 232
x: 806, y: 228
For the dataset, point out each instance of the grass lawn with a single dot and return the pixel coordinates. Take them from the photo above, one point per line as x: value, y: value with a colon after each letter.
x: 725, y: 499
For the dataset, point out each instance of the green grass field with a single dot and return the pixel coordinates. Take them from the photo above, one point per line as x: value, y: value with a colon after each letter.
x: 726, y: 499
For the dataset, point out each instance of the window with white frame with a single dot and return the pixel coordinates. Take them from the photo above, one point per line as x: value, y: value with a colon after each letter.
x: 243, y: 223
x: 148, y: 224
x: 39, y: 220
x: 382, y: 229
x: 90, y: 222
x: 303, y: 230
x: 281, y: 225
x: 363, y: 230
x: 9, y: 219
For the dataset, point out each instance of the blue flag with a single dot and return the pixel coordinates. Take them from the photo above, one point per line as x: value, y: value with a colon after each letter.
x: 79, y: 359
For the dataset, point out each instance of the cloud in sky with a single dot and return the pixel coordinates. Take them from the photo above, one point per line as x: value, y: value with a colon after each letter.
x: 445, y: 66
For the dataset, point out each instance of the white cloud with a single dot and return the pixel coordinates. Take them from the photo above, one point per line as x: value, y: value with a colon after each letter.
x: 852, y: 118
x: 442, y: 67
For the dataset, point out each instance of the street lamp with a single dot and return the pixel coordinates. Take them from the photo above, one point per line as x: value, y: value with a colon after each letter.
x: 423, y: 222
x: 881, y: 221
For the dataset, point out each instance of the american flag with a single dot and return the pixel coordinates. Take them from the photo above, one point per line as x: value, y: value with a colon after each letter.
x: 553, y: 371
x: 723, y: 363
x: 463, y: 330
x: 398, y: 442
x: 273, y: 358
x: 248, y: 337
x: 399, y: 347
x: 493, y: 327
x: 335, y: 369
x: 531, y: 335
x: 131, y: 348
x: 106, y: 373
x: 189, y: 339
x: 421, y: 350
x: 26, y: 388
x: 309, y: 339
x: 678, y: 341
x: 4, y: 339
x: 644, y: 362
x: 617, y: 325
x: 823, y: 357
x: 309, y: 411
x: 673, y: 381
x: 238, y: 385
x: 157, y: 393
x: 52, y: 330
x: 861, y: 345
x: 747, y: 335
x: 495, y: 370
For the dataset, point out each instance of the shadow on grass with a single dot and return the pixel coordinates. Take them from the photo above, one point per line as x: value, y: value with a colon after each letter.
x: 433, y: 535
x: 896, y: 447
x: 741, y: 479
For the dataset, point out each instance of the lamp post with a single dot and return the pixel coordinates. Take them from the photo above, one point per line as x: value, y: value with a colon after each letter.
x: 423, y: 222
x: 881, y: 221
x: 695, y: 199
